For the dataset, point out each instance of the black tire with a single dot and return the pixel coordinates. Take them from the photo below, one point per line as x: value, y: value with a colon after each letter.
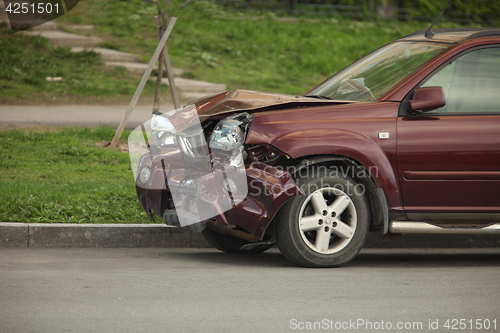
x: 323, y: 238
x: 230, y: 244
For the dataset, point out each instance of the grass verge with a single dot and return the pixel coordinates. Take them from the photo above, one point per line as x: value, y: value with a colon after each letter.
x: 211, y: 43
x: 66, y: 176
x: 251, y: 50
x: 27, y: 64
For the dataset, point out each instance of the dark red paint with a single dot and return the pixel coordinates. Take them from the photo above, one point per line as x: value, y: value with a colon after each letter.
x: 426, y: 165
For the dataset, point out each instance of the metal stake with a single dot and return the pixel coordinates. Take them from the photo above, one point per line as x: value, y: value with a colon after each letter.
x: 144, y: 79
x: 168, y: 66
x: 159, y: 74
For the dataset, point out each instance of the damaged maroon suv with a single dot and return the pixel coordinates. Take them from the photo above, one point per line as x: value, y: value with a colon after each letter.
x: 405, y: 140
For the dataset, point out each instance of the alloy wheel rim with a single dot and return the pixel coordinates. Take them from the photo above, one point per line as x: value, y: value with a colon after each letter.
x: 327, y: 220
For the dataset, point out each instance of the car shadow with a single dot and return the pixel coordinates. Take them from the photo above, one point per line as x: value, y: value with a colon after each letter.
x: 400, y: 258
x: 270, y: 258
x: 389, y: 258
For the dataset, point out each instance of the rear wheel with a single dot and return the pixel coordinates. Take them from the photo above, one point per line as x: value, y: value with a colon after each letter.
x: 325, y: 227
x: 230, y: 244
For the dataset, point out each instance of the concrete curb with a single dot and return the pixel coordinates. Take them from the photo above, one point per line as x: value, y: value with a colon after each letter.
x: 159, y: 235
x: 97, y: 235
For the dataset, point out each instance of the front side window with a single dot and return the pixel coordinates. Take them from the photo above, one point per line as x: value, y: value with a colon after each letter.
x: 372, y: 76
x: 471, y: 83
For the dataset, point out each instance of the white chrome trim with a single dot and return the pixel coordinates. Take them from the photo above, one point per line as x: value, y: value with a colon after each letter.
x: 406, y: 227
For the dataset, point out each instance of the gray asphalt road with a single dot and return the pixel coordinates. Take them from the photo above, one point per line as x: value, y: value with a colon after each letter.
x: 17, y: 116
x: 202, y: 290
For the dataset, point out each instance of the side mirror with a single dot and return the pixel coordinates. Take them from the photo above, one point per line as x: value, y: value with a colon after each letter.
x: 427, y: 99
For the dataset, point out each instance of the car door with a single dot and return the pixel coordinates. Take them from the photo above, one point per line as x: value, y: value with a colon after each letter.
x: 449, y: 158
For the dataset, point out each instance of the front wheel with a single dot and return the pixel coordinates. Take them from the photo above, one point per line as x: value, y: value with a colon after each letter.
x: 325, y: 227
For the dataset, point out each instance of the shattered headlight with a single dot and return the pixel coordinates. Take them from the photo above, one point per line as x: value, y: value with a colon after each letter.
x: 162, y: 129
x: 229, y: 134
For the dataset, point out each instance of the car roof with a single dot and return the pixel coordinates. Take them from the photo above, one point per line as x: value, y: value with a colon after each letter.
x: 451, y: 36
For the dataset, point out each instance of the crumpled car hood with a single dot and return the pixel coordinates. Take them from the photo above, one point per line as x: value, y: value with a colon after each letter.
x: 225, y: 103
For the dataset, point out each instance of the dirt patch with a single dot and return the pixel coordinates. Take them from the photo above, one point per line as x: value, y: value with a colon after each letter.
x: 121, y: 146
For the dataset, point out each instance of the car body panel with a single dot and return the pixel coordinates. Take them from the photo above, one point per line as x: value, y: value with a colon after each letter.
x: 449, y: 36
x: 336, y: 131
x: 268, y: 189
x: 232, y: 101
x: 449, y: 163
x: 424, y: 165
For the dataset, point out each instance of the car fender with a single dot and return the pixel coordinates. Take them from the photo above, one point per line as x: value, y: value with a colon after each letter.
x: 326, y: 137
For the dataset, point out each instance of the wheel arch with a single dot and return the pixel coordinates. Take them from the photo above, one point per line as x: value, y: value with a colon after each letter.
x: 323, y: 144
x: 379, y: 216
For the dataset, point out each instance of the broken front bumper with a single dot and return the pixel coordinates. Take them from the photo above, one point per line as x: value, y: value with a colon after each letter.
x: 190, y: 197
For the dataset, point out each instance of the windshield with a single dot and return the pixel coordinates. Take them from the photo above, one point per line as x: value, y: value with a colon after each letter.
x: 372, y: 76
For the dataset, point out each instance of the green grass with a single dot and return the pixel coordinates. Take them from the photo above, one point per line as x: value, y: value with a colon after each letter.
x: 26, y: 62
x: 260, y: 52
x: 66, y: 176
